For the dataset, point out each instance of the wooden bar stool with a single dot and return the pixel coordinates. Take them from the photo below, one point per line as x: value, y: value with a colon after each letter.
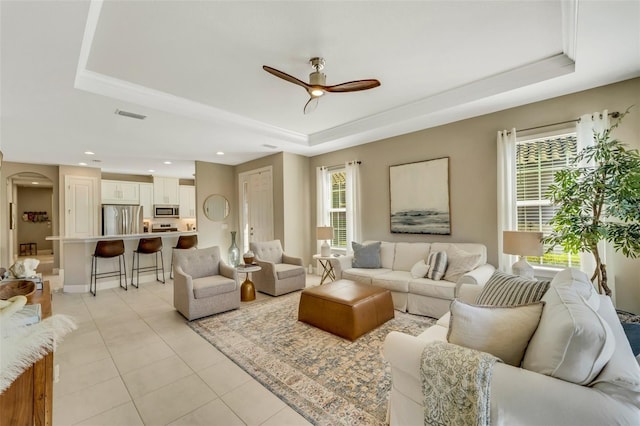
x: 148, y: 246
x: 184, y: 242
x: 108, y: 249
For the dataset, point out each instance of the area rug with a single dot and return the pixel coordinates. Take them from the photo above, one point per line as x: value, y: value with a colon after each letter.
x: 325, y: 378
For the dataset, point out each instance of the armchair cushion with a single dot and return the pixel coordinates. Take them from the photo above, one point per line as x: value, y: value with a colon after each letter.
x: 501, y: 331
x: 210, y: 286
x: 285, y: 270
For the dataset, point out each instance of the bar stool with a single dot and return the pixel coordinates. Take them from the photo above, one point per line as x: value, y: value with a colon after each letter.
x: 148, y: 246
x: 108, y: 249
x: 184, y: 242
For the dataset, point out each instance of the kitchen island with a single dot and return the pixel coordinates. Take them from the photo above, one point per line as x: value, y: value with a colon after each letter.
x: 76, y: 253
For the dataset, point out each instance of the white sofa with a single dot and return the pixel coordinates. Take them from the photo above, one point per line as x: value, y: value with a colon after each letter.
x: 523, y: 397
x: 420, y: 296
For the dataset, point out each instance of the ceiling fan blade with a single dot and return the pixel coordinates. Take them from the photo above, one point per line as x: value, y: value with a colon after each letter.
x: 285, y: 76
x: 353, y: 86
x: 311, y: 104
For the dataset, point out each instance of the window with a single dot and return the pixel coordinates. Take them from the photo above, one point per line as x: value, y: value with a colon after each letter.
x: 537, y: 161
x: 337, y: 207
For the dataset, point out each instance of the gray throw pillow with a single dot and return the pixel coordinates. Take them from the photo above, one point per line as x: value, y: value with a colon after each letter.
x: 509, y: 290
x: 437, y: 262
x: 366, y: 256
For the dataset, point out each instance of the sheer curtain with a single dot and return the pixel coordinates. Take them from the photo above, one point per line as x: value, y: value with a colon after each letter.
x: 354, y: 232
x: 322, y: 199
x: 586, y: 128
x: 507, y: 213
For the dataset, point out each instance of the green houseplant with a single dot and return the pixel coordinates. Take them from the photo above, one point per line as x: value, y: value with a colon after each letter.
x: 598, y: 199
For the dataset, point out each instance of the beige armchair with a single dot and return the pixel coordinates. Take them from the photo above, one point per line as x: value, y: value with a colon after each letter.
x: 280, y: 273
x: 203, y: 284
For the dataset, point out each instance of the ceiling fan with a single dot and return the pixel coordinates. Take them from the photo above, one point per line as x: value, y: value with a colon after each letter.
x: 317, y: 83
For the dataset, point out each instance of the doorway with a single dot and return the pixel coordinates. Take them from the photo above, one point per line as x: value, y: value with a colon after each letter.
x: 256, y: 206
x: 30, y: 197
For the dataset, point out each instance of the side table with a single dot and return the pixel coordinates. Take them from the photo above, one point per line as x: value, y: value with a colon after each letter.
x: 327, y: 272
x: 247, y: 289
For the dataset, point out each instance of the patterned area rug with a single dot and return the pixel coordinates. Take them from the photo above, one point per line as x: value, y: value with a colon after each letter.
x: 327, y: 379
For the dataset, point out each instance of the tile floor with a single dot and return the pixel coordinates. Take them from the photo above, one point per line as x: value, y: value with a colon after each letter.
x: 134, y: 361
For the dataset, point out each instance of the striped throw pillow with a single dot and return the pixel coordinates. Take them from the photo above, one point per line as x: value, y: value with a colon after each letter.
x: 437, y: 263
x: 509, y: 290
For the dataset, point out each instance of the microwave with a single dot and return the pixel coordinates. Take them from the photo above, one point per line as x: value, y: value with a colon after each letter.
x: 166, y: 211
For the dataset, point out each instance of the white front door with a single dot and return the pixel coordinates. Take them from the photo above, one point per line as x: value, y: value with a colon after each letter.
x: 80, y: 206
x: 256, y: 197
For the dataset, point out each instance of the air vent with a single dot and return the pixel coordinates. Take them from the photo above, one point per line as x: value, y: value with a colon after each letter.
x: 130, y: 114
x: 266, y: 145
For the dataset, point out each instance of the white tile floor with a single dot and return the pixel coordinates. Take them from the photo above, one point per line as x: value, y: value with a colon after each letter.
x: 134, y: 360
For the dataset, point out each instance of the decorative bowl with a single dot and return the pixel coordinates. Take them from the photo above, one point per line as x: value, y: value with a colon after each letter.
x: 18, y: 288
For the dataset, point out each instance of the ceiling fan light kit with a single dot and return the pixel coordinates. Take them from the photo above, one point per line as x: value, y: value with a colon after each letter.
x: 317, y: 83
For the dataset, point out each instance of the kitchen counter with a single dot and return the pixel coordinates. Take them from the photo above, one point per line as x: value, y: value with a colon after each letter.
x: 76, y: 255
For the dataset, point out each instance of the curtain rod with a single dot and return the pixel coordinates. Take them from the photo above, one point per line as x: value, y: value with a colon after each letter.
x: 614, y: 114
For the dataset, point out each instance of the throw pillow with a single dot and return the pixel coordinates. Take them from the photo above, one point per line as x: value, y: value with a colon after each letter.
x: 459, y: 262
x: 502, y: 331
x: 437, y: 263
x: 420, y: 269
x: 506, y: 290
x: 573, y: 342
x: 366, y: 256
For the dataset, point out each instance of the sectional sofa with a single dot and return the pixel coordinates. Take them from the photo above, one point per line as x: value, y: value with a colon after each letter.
x: 417, y: 295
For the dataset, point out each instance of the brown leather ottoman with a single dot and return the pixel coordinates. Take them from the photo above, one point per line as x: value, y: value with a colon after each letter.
x: 345, y: 308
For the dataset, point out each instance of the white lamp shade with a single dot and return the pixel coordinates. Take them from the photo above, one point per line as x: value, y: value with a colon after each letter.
x: 522, y: 243
x: 324, y: 233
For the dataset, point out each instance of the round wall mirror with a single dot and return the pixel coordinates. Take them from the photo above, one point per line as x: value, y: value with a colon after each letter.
x: 216, y: 207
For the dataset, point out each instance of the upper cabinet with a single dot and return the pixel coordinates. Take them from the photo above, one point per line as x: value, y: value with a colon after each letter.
x: 119, y: 192
x: 187, y: 201
x: 166, y: 190
x: 146, y: 199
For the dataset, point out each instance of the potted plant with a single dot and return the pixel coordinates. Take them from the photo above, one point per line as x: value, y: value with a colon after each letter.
x: 598, y: 199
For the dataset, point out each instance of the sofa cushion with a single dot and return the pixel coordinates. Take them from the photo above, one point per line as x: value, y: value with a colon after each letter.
x: 437, y: 262
x: 394, y: 281
x: 580, y: 283
x: 407, y: 254
x: 363, y: 275
x: 212, y: 285
x: 419, y: 269
x: 439, y: 289
x: 503, y: 331
x: 471, y: 248
x: 285, y: 270
x: 573, y: 342
x: 505, y: 290
x: 459, y: 262
x: 366, y: 255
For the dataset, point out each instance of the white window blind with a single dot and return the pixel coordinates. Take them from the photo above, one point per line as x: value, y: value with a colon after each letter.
x: 537, y: 161
x: 338, y: 208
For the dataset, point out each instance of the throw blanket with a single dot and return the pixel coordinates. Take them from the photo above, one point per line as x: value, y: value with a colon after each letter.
x: 455, y: 384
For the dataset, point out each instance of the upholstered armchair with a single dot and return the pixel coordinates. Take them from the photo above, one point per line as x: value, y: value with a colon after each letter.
x: 203, y: 284
x: 280, y: 273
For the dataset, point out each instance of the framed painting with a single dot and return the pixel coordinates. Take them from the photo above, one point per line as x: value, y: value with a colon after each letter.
x: 419, y: 197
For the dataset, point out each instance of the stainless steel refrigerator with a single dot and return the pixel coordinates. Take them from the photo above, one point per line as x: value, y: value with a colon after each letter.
x: 121, y: 219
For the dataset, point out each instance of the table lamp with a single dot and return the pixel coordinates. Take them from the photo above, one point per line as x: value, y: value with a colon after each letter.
x: 523, y: 244
x: 324, y: 233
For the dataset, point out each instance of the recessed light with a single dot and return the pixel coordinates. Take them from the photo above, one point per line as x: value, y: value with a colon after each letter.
x: 151, y: 170
x: 90, y: 153
x: 35, y: 183
x: 167, y: 162
x: 219, y: 153
x: 82, y: 164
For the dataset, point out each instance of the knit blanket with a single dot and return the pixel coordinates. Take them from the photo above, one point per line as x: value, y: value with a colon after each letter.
x: 456, y: 385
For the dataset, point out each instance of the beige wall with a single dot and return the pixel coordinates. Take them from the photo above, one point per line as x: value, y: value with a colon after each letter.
x: 215, y: 179
x: 10, y: 169
x: 296, y: 212
x: 471, y: 148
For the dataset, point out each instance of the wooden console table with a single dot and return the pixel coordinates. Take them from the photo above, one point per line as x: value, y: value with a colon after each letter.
x: 29, y: 399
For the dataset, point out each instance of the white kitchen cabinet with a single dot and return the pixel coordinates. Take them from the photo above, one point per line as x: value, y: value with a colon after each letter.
x: 146, y: 199
x: 119, y: 192
x: 166, y: 190
x: 187, y: 201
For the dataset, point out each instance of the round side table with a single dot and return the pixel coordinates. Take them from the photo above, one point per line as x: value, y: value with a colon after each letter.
x: 247, y: 289
x: 328, y: 272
